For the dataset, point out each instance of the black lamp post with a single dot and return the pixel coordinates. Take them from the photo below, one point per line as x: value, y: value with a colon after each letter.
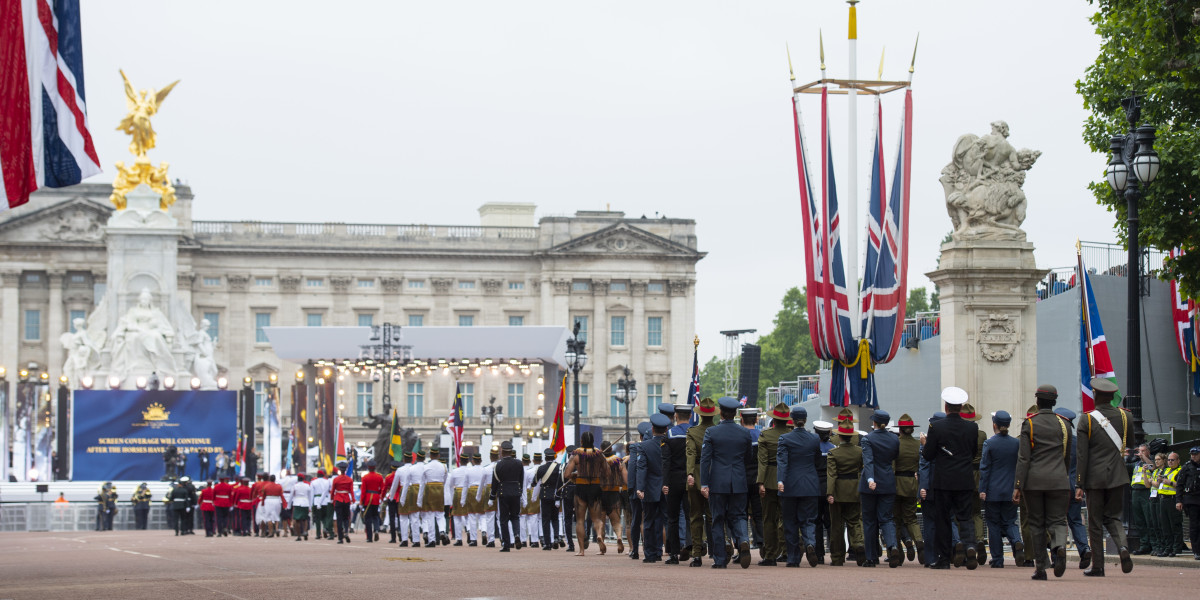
x: 384, y: 355
x: 1133, y: 162
x: 492, y: 413
x: 626, y: 394
x: 576, y: 359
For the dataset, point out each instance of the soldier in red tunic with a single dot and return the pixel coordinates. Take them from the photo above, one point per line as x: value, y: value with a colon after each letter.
x: 371, y: 490
x: 223, y: 501
x: 244, y: 504
x: 343, y: 496
x: 208, y: 509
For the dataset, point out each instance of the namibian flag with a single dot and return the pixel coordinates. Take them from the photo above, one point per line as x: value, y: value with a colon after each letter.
x: 1094, y: 360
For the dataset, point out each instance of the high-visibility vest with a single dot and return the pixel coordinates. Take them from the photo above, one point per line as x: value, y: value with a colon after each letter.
x: 1167, y: 488
x: 1141, y: 474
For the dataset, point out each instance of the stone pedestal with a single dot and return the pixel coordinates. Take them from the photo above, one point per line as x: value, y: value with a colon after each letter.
x: 988, y: 322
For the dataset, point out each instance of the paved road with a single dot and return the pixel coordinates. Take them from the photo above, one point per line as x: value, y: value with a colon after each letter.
x: 155, y: 565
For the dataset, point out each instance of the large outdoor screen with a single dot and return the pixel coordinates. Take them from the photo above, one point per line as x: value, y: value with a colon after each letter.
x: 123, y: 434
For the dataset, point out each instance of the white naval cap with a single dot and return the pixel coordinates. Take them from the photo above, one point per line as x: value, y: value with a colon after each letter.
x: 954, y: 395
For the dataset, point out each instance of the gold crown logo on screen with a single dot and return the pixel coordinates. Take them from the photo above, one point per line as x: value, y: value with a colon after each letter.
x: 156, y: 412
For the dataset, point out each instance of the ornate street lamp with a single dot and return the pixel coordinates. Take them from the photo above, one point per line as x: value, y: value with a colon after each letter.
x: 626, y: 394
x: 576, y: 359
x: 492, y: 413
x: 1134, y: 163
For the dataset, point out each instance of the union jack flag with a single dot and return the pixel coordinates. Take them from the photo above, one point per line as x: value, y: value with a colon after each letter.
x: 1093, y: 346
x: 694, y: 387
x: 44, y: 137
x: 456, y: 423
x: 1184, y: 312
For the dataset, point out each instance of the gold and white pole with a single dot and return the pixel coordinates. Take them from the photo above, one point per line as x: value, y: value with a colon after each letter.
x: 850, y: 213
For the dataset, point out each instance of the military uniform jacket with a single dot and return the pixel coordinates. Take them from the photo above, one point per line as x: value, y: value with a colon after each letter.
x: 547, y: 490
x: 798, y: 455
x: 1101, y: 463
x: 999, y: 467
x: 752, y: 466
x: 879, y: 451
x: 695, y: 442
x: 632, y: 466
x: 508, y: 478
x: 724, y: 457
x: 674, y: 458
x: 908, y: 462
x: 845, y: 463
x: 1043, y: 458
x: 952, y: 446
x: 768, y: 447
x: 649, y: 468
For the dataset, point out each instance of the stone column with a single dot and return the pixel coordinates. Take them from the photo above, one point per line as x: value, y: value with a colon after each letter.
x: 637, y: 335
x: 599, y: 398
x: 680, y: 337
x: 10, y: 322
x: 988, y: 322
x: 55, y: 316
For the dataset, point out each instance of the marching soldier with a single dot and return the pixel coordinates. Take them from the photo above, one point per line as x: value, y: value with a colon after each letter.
x: 456, y: 488
x: 968, y: 412
x: 844, y: 465
x: 631, y: 471
x: 1075, y: 509
x: 342, y: 489
x: 322, y: 505
x: 797, y: 484
x: 207, y: 510
x: 1042, y: 481
x: 824, y: 431
x: 908, y: 461
x: 674, y: 457
x: 754, y: 507
x: 223, y: 501
x: 431, y: 498
x: 768, y: 446
x: 951, y: 446
x: 651, y: 485
x: 508, y: 481
x: 370, y: 491
x: 723, y: 458
x: 549, y: 480
x: 698, y: 503
x: 389, y: 501
x: 1102, y: 438
x: 877, y: 489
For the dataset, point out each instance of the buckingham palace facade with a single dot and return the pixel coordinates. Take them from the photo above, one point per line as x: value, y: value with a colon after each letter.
x: 628, y: 282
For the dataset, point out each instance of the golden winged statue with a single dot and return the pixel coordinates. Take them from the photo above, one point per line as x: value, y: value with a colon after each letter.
x: 142, y: 105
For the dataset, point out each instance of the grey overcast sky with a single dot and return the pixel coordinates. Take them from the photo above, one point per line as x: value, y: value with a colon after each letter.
x: 405, y: 112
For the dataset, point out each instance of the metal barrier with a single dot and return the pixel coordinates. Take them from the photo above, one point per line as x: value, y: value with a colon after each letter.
x: 53, y: 516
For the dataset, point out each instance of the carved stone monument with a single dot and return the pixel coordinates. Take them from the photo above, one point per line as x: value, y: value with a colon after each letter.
x: 987, y: 277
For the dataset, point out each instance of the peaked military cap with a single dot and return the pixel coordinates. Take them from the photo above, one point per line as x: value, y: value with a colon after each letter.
x: 643, y: 428
x: 822, y: 426
x: 1046, y: 391
x: 881, y: 417
x: 1065, y: 413
x: 660, y: 420
x: 729, y: 403
x: 954, y: 395
x: 666, y: 408
x: 799, y: 413
x: 683, y: 408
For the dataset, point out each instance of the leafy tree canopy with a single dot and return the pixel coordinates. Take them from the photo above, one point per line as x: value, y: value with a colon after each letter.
x: 1152, y: 47
x: 787, y: 351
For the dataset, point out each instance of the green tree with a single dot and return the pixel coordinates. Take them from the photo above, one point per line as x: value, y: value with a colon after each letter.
x: 712, y: 378
x: 1151, y: 47
x: 917, y: 302
x: 787, y: 351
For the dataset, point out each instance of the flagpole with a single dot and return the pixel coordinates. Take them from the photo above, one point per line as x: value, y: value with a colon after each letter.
x: 1085, y: 310
x: 851, y: 215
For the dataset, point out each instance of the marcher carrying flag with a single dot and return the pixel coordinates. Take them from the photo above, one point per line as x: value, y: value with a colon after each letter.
x: 694, y: 386
x: 396, y: 449
x: 1094, y: 360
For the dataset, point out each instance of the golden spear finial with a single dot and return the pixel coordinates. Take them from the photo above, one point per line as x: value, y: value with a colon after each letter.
x: 821, y: 37
x: 791, y: 75
x: 1078, y: 247
x: 696, y: 342
x: 881, y: 54
x: 913, y: 64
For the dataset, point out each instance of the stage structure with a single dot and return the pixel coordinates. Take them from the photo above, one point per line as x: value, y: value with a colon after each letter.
x: 329, y: 353
x: 855, y: 331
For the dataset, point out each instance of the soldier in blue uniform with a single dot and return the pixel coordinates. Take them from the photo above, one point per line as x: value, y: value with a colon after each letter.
x: 674, y: 458
x: 798, y: 461
x: 651, y: 485
x: 877, y: 490
x: 754, y: 507
x: 997, y: 472
x: 824, y: 431
x: 723, y: 458
x: 635, y: 505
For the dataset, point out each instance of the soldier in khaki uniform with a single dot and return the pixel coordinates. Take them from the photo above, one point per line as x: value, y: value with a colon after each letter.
x: 698, y: 511
x: 845, y: 464
x: 1103, y: 435
x: 968, y: 413
x: 1026, y: 557
x: 907, y: 489
x: 1042, y: 481
x: 768, y: 445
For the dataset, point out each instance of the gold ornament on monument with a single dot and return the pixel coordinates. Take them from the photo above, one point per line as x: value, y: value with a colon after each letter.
x: 142, y: 105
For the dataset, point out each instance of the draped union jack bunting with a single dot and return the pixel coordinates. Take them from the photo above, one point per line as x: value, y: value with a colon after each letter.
x: 1184, y: 313
x: 884, y: 286
x: 44, y: 137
